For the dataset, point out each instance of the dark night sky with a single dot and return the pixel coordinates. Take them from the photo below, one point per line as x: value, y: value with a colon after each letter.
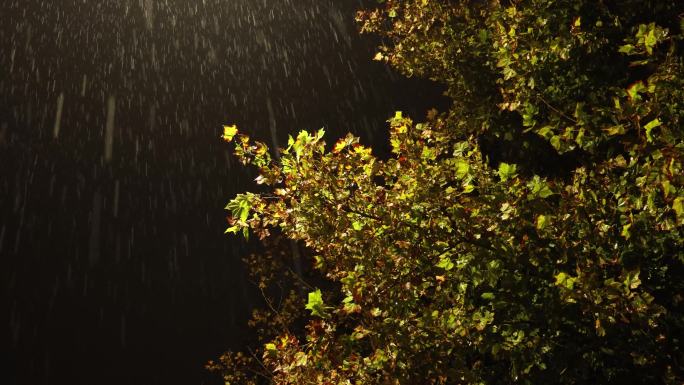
x: 116, y: 270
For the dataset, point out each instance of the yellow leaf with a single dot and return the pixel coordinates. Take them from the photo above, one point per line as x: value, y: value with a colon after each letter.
x: 599, y: 329
x: 541, y: 222
x: 229, y: 132
x: 678, y: 207
x: 339, y: 146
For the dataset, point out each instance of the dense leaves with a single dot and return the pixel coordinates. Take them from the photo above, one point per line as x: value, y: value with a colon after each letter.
x: 449, y: 267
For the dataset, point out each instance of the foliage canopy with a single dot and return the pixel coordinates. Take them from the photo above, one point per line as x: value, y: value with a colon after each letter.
x: 555, y: 256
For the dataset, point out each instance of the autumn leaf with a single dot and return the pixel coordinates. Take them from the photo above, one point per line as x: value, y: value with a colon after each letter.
x: 229, y: 132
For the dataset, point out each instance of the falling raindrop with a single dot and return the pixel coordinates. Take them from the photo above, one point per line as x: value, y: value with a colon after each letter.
x: 84, y: 85
x: 109, y: 129
x: 58, y: 116
x: 148, y: 10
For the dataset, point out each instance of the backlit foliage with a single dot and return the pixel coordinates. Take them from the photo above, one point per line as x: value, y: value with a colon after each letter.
x: 448, y: 268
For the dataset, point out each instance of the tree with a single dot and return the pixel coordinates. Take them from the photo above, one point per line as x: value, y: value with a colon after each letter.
x: 452, y: 264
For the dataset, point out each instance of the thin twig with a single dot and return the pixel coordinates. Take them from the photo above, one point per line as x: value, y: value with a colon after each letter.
x: 251, y: 352
x: 559, y: 112
x: 300, y: 278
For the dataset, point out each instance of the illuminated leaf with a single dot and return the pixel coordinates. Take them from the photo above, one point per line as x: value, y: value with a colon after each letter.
x: 650, y: 126
x: 445, y: 263
x: 507, y: 171
x: 316, y: 305
x: 229, y: 132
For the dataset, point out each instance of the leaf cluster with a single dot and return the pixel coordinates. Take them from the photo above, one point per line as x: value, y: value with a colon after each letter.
x: 452, y: 270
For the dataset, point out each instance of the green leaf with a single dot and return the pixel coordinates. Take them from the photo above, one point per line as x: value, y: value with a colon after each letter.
x: 578, y: 22
x: 626, y: 49
x: 615, y: 130
x: 316, y: 305
x: 482, y: 35
x: 445, y: 263
x: 632, y: 281
x: 488, y: 296
x: 396, y: 144
x: 538, y: 188
x: 509, y: 73
x: 653, y: 124
x: 564, y: 280
x: 634, y: 90
x: 357, y: 225
x: 678, y: 207
x: 507, y: 171
x: 560, y: 278
x: 650, y: 40
x: 545, y: 131
x: 541, y: 222
x: 462, y: 168
x: 428, y: 154
x: 650, y: 126
x: 240, y: 206
x: 545, y: 191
